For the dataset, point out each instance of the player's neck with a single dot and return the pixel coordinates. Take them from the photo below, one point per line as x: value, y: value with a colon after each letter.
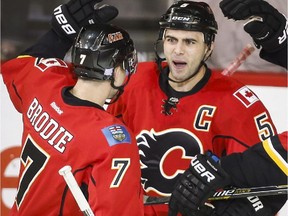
x: 91, y: 90
x: 190, y: 83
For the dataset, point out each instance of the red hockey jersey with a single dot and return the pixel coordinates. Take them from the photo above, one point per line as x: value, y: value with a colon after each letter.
x: 218, y: 114
x: 60, y: 130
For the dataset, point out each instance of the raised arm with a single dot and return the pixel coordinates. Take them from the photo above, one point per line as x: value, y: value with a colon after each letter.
x: 67, y: 20
x: 266, y: 25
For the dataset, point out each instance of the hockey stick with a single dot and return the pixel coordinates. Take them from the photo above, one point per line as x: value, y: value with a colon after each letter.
x: 76, y: 191
x: 235, y: 64
x: 232, y: 193
x: 246, y: 51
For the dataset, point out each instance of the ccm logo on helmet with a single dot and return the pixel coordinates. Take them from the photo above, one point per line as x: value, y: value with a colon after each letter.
x: 202, y: 170
x: 180, y: 18
x: 61, y: 19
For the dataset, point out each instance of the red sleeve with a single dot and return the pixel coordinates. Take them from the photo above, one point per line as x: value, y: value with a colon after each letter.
x: 20, y: 76
x: 244, y: 122
x: 13, y: 79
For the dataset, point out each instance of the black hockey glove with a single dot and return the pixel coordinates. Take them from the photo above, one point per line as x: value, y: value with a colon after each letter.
x: 250, y: 206
x: 68, y: 19
x: 266, y: 25
x: 196, y: 185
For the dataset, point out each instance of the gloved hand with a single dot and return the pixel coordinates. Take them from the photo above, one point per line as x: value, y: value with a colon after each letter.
x: 250, y: 206
x: 68, y: 19
x: 196, y: 185
x: 266, y: 25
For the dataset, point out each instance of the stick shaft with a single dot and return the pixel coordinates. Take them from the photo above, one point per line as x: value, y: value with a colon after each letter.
x: 235, y: 64
x: 76, y: 191
x: 246, y: 192
x: 230, y: 194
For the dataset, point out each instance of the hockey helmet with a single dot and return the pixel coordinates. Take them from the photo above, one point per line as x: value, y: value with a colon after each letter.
x: 99, y: 48
x: 191, y: 16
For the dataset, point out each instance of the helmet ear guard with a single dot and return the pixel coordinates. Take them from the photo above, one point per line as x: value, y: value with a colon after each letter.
x: 99, y: 48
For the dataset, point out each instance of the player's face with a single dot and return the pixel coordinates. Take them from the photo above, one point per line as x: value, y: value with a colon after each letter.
x: 184, y: 50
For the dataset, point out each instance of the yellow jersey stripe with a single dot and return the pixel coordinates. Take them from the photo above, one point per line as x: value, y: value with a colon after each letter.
x: 275, y: 156
x: 23, y: 56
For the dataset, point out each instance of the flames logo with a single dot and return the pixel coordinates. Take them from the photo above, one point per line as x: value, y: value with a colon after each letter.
x: 164, y: 157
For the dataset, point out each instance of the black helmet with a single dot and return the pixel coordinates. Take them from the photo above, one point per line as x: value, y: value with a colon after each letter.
x: 191, y: 16
x: 99, y: 48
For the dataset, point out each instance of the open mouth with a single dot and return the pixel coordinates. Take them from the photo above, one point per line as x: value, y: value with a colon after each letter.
x: 179, y: 64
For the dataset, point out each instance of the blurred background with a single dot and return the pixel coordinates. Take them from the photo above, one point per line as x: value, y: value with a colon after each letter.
x: 24, y: 21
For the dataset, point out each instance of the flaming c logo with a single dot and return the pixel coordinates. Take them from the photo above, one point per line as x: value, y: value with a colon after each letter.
x: 164, y: 157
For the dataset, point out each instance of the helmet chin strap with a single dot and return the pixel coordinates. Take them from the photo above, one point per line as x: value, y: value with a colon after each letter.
x: 119, y: 88
x: 117, y: 95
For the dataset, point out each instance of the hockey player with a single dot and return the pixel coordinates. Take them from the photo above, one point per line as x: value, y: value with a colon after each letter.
x: 64, y: 122
x: 180, y: 108
x: 263, y: 164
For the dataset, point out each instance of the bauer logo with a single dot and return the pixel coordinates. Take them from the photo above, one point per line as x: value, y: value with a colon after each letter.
x: 116, y: 134
x: 200, y: 168
x: 61, y: 19
x: 246, y: 96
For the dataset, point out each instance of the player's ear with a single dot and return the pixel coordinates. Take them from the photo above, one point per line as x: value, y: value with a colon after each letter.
x: 119, y: 75
x: 208, y: 50
x: 117, y: 71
